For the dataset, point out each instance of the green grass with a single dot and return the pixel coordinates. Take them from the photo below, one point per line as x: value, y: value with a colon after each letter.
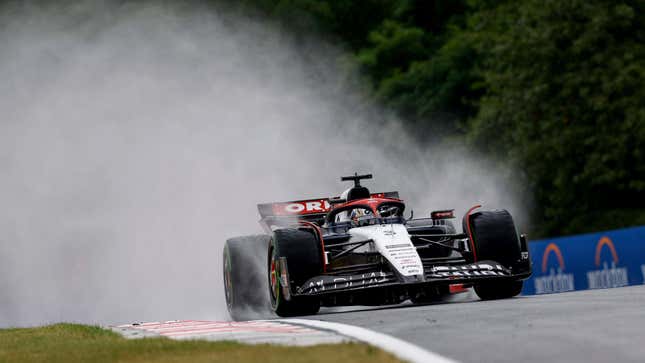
x: 81, y: 343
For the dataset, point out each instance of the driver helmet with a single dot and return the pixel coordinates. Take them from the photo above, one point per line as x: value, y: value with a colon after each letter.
x: 358, y: 213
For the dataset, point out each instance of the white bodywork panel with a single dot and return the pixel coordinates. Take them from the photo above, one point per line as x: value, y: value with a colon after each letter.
x: 393, y: 242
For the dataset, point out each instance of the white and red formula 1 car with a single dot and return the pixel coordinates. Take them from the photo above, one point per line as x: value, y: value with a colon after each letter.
x: 359, y: 249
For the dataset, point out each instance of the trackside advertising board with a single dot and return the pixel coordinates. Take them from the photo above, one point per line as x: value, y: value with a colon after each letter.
x: 589, y: 261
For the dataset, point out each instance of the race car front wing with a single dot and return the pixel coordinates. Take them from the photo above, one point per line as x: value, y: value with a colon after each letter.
x: 449, y: 274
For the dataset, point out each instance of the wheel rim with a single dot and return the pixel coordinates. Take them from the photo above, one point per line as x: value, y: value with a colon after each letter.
x: 227, y: 280
x: 273, y: 276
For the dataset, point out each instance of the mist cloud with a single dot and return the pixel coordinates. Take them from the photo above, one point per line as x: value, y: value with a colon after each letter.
x: 135, y: 139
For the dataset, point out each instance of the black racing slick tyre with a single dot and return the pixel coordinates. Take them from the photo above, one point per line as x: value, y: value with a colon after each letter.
x: 244, y: 282
x: 495, y: 238
x: 302, y: 252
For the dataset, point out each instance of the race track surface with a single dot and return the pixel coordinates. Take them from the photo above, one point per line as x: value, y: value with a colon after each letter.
x: 585, y: 326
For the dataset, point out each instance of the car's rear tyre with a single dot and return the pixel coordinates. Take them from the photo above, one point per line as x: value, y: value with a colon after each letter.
x: 244, y: 282
x: 303, y: 261
x: 495, y: 238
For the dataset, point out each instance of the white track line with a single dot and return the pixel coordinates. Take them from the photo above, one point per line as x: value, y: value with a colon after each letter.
x: 398, y: 347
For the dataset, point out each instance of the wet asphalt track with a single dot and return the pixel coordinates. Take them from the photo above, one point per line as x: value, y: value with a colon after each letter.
x: 585, y: 326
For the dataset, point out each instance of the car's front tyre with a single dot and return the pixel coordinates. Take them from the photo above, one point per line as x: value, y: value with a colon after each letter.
x: 301, y: 251
x: 495, y: 238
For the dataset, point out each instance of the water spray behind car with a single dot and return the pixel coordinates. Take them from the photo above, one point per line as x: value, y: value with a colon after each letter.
x: 136, y: 138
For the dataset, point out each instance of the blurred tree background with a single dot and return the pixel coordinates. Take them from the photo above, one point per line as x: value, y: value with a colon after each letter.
x: 553, y: 88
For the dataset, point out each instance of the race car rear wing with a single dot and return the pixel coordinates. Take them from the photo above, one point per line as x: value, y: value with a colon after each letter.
x: 312, y: 210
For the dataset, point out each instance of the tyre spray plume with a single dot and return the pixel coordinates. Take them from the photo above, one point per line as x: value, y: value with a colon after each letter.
x: 136, y: 138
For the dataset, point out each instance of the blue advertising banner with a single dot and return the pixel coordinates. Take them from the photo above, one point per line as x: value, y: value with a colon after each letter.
x: 589, y: 261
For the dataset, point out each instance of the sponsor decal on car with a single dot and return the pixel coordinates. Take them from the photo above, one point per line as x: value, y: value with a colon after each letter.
x: 476, y: 269
x: 556, y: 280
x: 323, y: 283
x: 609, y: 275
x: 304, y: 207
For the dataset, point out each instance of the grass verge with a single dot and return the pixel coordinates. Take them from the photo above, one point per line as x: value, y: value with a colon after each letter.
x: 82, y: 343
